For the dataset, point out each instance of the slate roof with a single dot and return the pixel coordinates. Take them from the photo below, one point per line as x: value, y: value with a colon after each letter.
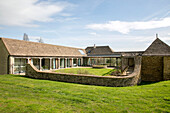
x: 130, y: 53
x: 106, y: 51
x: 157, y: 48
x: 27, y: 48
x: 98, y: 50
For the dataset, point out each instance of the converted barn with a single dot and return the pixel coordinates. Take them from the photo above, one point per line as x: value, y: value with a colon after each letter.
x: 14, y: 54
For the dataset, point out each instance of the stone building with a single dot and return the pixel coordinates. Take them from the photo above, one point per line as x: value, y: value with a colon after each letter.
x: 156, y: 62
x: 14, y: 54
x: 99, y: 55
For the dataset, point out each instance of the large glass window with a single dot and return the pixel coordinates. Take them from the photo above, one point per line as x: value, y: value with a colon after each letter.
x: 54, y: 64
x: 112, y: 62
x: 88, y: 62
x: 103, y: 61
x: 74, y: 62
x: 45, y: 64
x: 62, y: 63
x: 119, y: 62
x: 79, y: 62
x: 68, y: 62
x: 36, y: 63
x: 108, y: 61
x: 19, y: 65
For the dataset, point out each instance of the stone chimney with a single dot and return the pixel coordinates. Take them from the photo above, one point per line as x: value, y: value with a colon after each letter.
x: 94, y: 45
x: 156, y: 35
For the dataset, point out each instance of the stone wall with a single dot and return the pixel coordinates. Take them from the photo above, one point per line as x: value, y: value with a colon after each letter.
x: 119, y: 81
x: 152, y: 68
x: 131, y: 62
x: 3, y: 59
x: 166, y: 71
x: 124, y: 63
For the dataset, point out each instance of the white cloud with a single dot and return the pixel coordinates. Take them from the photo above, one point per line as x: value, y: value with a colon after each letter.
x: 61, y: 19
x: 34, y: 37
x: 116, y: 42
x: 65, y: 14
x: 126, y: 27
x: 26, y: 12
x: 94, y: 34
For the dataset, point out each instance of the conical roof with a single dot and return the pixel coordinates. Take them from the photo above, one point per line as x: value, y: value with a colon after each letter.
x: 157, y: 48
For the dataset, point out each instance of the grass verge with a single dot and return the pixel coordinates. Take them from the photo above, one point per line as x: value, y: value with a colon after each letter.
x: 26, y: 95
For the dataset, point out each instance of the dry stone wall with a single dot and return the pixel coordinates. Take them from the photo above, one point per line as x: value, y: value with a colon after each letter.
x: 119, y: 81
x: 166, y: 75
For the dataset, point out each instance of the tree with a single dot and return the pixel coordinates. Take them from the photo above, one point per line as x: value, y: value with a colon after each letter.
x: 25, y: 37
x: 40, y: 40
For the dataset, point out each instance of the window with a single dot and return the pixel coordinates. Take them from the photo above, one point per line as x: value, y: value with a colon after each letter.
x: 81, y: 51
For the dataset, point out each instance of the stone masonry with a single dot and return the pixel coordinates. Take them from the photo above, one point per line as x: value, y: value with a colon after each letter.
x: 166, y: 75
x: 119, y: 81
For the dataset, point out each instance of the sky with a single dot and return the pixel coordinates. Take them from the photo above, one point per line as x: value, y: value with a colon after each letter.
x: 124, y: 25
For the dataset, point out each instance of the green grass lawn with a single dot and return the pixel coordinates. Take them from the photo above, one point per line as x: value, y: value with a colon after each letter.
x: 26, y: 95
x: 90, y: 71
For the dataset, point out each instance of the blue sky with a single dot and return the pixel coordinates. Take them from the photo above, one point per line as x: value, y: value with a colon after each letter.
x: 122, y: 24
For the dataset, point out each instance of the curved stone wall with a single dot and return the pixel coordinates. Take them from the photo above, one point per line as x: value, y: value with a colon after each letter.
x: 118, y: 81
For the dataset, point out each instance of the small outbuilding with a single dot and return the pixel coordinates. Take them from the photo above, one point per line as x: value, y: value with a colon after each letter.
x: 156, y: 62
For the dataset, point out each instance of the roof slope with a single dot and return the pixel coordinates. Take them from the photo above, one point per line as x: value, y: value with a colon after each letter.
x: 157, y: 48
x: 27, y: 48
x: 99, y: 50
x: 130, y: 53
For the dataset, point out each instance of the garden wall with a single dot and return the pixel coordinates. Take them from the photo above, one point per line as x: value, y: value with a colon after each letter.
x: 166, y: 75
x: 119, y: 81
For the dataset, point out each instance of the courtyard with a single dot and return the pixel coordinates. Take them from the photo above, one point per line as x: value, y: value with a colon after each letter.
x: 89, y: 71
